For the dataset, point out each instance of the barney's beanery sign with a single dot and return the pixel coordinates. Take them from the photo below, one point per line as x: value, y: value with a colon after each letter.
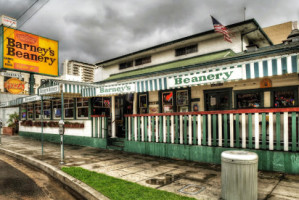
x: 30, y: 53
x: 204, y: 78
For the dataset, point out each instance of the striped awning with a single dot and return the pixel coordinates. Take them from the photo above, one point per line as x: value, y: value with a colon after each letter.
x: 153, y: 84
x: 271, y: 67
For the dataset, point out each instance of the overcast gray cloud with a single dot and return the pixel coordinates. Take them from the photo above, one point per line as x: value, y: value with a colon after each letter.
x: 96, y: 30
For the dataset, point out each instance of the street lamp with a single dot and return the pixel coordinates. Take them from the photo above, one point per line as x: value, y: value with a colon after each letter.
x: 61, y: 133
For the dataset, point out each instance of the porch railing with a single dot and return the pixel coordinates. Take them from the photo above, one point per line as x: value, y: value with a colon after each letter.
x: 268, y: 129
x: 99, y: 126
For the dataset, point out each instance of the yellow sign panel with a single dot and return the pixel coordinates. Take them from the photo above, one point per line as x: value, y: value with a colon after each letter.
x: 14, y: 86
x: 31, y: 53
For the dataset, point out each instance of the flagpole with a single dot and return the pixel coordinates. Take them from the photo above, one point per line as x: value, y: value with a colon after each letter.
x: 244, y: 13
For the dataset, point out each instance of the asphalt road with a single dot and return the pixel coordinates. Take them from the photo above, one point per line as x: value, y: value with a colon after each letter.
x: 23, y: 182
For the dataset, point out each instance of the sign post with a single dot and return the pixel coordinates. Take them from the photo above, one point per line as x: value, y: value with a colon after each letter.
x: 61, y: 133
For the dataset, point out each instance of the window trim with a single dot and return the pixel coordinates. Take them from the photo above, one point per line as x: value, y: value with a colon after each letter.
x: 53, y: 113
x: 64, y: 108
x: 293, y: 88
x: 261, y: 91
x: 185, y: 49
x: 77, y: 108
x: 144, y: 60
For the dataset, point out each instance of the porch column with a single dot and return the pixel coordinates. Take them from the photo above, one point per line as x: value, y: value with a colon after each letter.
x: 113, y: 125
x: 135, y: 104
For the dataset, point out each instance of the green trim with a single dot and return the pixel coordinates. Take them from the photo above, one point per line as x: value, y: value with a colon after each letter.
x: 214, y: 120
x: 264, y: 131
x: 194, y: 130
x: 176, y: 128
x: 294, y: 140
x: 225, y: 130
x: 153, y: 129
x: 168, y: 129
x: 185, y: 130
x: 278, y: 147
x: 250, y: 130
x: 286, y: 162
x: 73, y: 140
x: 237, y: 143
x: 138, y: 129
x: 145, y: 129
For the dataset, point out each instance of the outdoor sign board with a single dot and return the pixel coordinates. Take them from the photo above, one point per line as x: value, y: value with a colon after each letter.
x: 49, y: 90
x: 116, y: 89
x: 13, y: 75
x: 29, y: 53
x: 223, y: 75
x: 8, y: 21
x: 31, y: 98
x: 14, y: 86
x: 3, y: 104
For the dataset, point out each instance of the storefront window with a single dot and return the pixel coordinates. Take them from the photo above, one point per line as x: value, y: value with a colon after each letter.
x: 101, y: 106
x: 47, y: 109
x: 57, y: 109
x: 24, y: 111
x: 284, y: 98
x: 82, y: 107
x: 167, y: 102
x: 37, y: 110
x: 69, y: 108
x: 249, y: 100
x: 30, y: 111
x: 218, y: 99
x: 143, y: 103
x: 182, y: 100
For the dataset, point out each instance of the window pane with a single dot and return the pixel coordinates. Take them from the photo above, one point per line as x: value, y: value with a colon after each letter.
x: 249, y: 100
x: 284, y: 98
x: 69, y: 113
x: 167, y: 101
x: 82, y: 112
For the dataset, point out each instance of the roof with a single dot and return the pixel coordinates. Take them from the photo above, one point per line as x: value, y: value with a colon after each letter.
x: 253, y: 21
x: 217, y: 58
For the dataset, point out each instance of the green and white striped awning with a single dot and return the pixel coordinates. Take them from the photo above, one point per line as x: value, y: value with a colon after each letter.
x: 56, y: 87
x: 154, y: 84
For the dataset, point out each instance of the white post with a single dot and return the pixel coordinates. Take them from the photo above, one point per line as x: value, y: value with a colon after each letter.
x: 220, y: 130
x: 285, y: 132
x: 243, y: 131
x: 199, y: 129
x: 209, y: 130
x: 271, y: 146
x: 190, y: 129
x: 142, y: 128
x: 172, y: 129
x: 181, y: 129
x: 149, y: 132
x: 231, y: 127
x: 113, y: 124
x: 164, y: 129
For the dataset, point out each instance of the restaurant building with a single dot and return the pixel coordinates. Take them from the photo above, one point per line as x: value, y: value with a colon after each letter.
x: 190, y: 98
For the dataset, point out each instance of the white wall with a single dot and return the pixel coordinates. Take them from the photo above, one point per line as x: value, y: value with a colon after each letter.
x: 204, y: 47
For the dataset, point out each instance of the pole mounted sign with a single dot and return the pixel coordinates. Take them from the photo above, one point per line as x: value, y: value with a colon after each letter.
x: 49, y: 90
x: 29, y: 53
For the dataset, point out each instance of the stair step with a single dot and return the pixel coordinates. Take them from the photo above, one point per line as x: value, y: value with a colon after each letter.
x: 112, y: 147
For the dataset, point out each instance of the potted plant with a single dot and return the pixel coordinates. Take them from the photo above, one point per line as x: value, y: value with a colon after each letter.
x: 13, y: 124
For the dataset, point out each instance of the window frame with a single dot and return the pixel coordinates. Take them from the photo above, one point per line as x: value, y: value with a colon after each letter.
x: 53, y: 107
x: 82, y: 106
x: 143, y: 60
x: 236, y: 92
x: 186, y: 50
x: 70, y: 108
x: 291, y: 88
x: 126, y: 64
x: 28, y: 111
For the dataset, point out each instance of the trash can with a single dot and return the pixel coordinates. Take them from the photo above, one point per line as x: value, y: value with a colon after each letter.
x: 239, y: 175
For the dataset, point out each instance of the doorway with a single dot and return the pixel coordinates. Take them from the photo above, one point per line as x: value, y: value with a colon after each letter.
x: 123, y: 106
x: 218, y: 99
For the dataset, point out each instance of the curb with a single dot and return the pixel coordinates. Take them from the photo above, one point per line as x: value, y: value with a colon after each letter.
x: 83, y: 189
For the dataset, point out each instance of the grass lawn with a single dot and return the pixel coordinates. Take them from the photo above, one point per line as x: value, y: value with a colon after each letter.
x: 117, y: 189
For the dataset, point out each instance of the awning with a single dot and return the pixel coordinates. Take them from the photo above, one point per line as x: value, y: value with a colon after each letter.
x: 68, y: 88
x: 153, y: 84
x: 271, y: 67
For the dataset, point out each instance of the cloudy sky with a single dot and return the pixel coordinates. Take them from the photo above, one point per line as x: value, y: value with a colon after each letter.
x: 95, y: 30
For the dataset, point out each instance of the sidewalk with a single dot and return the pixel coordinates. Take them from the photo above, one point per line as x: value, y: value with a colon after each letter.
x: 201, y: 181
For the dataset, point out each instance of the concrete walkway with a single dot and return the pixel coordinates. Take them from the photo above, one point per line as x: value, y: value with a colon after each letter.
x: 193, y: 179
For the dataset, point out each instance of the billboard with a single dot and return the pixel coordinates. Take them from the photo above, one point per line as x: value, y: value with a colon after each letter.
x: 29, y: 53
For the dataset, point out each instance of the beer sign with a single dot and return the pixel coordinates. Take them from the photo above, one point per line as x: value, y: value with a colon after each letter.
x: 14, y: 86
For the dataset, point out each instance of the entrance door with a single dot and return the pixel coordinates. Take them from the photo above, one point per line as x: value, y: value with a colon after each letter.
x: 123, y: 106
x: 218, y: 99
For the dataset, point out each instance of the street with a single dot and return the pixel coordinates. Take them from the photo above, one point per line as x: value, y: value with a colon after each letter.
x: 20, y: 181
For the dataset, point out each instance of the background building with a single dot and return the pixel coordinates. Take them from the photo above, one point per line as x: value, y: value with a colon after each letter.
x: 78, y: 71
x: 279, y: 32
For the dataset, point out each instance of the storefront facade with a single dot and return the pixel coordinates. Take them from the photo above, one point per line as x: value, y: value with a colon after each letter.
x: 193, y: 108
